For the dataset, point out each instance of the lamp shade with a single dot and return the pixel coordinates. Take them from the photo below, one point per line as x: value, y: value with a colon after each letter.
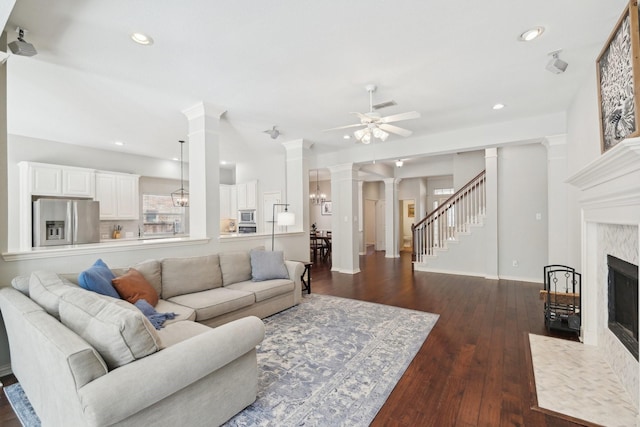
x: 286, y: 218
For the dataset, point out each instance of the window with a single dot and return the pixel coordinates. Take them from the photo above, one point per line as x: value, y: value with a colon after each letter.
x: 161, y: 217
x: 443, y: 191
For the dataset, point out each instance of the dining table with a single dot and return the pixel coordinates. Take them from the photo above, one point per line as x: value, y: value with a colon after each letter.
x: 321, y: 242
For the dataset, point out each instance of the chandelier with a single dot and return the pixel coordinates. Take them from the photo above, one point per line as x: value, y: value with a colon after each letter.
x: 317, y: 197
x: 180, y: 197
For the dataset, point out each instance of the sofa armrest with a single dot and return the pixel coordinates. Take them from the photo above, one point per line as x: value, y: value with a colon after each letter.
x: 108, y: 399
x: 295, y: 269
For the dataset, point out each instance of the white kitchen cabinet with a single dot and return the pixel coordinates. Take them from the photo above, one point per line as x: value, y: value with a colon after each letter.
x: 118, y: 195
x: 58, y: 181
x: 228, y: 205
x: 247, y: 195
x: 78, y: 182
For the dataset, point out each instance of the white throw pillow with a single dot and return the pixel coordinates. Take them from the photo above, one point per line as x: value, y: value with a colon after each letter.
x: 115, y: 328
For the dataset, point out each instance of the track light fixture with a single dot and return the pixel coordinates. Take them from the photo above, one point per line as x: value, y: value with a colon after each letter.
x: 21, y: 46
x: 555, y: 64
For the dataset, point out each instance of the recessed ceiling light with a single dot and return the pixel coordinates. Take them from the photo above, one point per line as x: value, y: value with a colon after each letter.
x: 498, y: 106
x: 347, y: 136
x: 531, y: 34
x: 119, y: 143
x: 175, y: 159
x: 142, y: 39
x: 223, y: 162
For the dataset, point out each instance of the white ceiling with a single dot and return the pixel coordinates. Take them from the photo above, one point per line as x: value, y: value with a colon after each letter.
x: 301, y: 65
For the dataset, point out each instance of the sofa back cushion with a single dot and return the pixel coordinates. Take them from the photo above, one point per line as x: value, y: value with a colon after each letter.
x: 21, y: 283
x: 235, y: 266
x: 188, y: 275
x: 46, y: 289
x: 152, y: 271
x: 115, y: 328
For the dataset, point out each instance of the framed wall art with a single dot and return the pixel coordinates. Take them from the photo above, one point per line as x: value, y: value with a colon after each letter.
x: 618, y: 66
x: 325, y: 208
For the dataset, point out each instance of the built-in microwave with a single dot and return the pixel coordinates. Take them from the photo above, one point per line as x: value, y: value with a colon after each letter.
x: 246, y: 216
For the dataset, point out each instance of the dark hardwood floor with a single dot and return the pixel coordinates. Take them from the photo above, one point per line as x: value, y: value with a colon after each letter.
x: 471, y: 371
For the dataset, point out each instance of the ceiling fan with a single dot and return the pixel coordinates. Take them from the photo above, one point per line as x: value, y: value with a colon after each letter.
x: 273, y: 132
x: 376, y: 126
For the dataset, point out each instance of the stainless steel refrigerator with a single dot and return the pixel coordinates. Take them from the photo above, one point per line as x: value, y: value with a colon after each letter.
x: 65, y: 222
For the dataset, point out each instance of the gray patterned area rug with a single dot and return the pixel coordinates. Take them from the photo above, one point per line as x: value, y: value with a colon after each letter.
x: 332, y: 362
x: 326, y: 362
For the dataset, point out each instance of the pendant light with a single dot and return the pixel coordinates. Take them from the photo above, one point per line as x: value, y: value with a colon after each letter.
x: 180, y: 197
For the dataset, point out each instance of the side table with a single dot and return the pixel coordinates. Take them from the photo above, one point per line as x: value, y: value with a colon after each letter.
x: 306, y: 281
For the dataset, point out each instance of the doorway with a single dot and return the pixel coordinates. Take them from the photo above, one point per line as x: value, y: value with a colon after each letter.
x: 407, y: 219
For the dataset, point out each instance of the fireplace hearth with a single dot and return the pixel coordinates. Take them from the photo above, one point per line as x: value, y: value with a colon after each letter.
x: 623, y: 302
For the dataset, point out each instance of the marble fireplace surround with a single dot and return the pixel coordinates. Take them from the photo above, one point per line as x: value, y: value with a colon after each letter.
x: 610, y: 207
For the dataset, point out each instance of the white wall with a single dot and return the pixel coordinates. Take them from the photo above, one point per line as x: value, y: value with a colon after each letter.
x: 466, y: 166
x: 583, y: 146
x: 522, y: 194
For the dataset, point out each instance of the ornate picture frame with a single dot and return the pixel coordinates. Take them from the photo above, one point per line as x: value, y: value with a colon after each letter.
x: 618, y: 67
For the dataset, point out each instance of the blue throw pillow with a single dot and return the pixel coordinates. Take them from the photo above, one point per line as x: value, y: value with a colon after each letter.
x: 98, y: 279
x: 267, y: 265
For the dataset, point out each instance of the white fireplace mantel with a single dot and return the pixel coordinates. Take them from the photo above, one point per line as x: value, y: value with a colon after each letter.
x: 609, y: 197
x: 613, y: 179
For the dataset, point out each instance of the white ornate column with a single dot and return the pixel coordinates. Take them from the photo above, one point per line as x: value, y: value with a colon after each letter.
x: 204, y: 170
x: 297, y: 182
x: 491, y: 219
x: 392, y: 218
x: 344, y: 220
x: 362, y: 246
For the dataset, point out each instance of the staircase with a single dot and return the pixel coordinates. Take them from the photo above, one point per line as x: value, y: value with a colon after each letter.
x: 446, y: 225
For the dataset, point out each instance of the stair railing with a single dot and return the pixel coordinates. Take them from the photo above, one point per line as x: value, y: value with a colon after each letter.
x: 453, y: 216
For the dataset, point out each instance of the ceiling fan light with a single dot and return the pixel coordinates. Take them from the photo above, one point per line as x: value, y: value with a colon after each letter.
x: 380, y: 134
x: 399, y: 163
x: 359, y: 134
x: 366, y: 139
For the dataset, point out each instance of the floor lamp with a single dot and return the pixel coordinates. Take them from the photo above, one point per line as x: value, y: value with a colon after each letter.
x: 284, y: 218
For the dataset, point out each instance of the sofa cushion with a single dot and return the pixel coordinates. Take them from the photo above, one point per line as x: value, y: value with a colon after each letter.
x: 235, y: 266
x: 115, y: 328
x: 187, y: 275
x: 97, y: 278
x: 265, y: 289
x: 182, y: 312
x: 132, y: 286
x: 215, y: 302
x: 152, y: 271
x: 46, y: 288
x: 267, y: 265
x: 21, y: 283
x: 179, y: 331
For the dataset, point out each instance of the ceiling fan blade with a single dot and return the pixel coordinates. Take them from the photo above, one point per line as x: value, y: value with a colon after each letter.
x: 399, y: 117
x: 395, y: 129
x: 363, y: 117
x: 343, y: 127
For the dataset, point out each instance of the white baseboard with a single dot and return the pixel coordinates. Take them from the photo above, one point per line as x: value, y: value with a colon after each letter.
x: 5, y: 370
x: 342, y: 270
x: 521, y: 279
x: 442, y: 271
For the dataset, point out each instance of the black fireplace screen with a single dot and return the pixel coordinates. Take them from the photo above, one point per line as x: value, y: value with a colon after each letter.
x: 623, y: 302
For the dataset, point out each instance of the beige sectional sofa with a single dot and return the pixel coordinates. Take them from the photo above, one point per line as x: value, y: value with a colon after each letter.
x: 86, y: 359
